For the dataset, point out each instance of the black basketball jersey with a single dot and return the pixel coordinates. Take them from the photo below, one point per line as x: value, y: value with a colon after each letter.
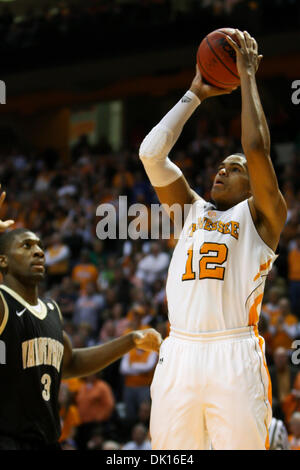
x: 30, y: 369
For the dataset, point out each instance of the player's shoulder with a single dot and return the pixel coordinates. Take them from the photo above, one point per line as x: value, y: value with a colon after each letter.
x: 197, y: 198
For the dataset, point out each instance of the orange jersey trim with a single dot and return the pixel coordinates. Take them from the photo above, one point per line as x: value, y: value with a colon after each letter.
x: 262, y: 267
x: 253, y: 314
x: 261, y: 342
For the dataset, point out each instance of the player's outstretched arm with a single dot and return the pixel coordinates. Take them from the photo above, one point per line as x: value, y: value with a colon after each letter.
x: 167, y: 179
x: 267, y: 204
x: 86, y: 361
x: 4, y: 224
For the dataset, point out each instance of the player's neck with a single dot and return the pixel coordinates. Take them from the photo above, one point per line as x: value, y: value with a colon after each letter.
x: 28, y: 292
x: 222, y: 206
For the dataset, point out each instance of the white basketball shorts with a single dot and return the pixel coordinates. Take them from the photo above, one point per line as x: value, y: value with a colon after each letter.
x: 211, y: 390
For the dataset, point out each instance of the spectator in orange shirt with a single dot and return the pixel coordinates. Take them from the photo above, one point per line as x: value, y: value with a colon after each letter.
x: 85, y: 271
x: 73, y: 385
x: 69, y: 416
x: 95, y: 401
x: 285, y: 327
x: 294, y: 274
x: 294, y: 425
x: 137, y: 367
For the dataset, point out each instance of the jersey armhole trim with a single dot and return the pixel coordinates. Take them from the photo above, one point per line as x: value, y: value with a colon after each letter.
x: 59, y: 311
x: 264, y: 243
x: 5, y: 317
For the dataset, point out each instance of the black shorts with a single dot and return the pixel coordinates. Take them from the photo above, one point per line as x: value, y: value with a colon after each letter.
x: 11, y: 443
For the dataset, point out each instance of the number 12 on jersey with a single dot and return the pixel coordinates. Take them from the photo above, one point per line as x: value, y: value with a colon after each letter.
x: 206, y: 272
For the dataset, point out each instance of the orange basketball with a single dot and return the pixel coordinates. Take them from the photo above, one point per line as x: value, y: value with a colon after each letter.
x: 216, y: 59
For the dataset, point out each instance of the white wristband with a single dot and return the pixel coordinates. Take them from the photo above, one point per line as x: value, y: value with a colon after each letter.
x: 160, y: 140
x: 176, y: 118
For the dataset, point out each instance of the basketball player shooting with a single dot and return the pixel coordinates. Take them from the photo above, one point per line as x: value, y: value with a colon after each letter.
x: 37, y: 351
x: 211, y: 384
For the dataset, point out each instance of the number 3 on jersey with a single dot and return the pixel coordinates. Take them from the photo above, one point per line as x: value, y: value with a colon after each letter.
x: 46, y: 382
x: 216, y: 272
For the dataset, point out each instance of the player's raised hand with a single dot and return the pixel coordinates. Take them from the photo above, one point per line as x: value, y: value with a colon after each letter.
x: 7, y: 223
x: 148, y: 340
x: 247, y: 58
x: 204, y: 90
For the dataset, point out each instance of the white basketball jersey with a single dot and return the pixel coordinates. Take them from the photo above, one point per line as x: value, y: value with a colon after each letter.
x: 218, y: 270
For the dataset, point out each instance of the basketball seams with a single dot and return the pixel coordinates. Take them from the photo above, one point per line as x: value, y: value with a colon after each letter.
x: 213, y: 51
x: 210, y: 76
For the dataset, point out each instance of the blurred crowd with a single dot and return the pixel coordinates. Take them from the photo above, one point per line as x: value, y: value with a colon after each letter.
x: 68, y: 29
x: 108, y: 287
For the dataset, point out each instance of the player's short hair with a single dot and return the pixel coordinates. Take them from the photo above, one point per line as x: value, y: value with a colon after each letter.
x: 8, y: 237
x: 239, y: 154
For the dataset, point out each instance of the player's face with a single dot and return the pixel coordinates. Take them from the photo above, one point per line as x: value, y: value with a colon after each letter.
x: 231, y: 184
x: 25, y: 258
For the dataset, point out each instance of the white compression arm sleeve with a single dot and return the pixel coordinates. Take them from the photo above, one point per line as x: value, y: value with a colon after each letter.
x: 160, y: 140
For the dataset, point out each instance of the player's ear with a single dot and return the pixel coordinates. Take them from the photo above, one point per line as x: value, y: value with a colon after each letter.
x: 3, y: 261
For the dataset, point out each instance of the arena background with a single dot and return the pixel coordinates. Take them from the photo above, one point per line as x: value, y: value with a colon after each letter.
x: 85, y: 82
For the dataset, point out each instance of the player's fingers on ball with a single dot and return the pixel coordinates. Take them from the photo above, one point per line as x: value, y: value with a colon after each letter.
x: 232, y: 43
x: 248, y: 40
x: 254, y: 44
x: 241, y: 38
